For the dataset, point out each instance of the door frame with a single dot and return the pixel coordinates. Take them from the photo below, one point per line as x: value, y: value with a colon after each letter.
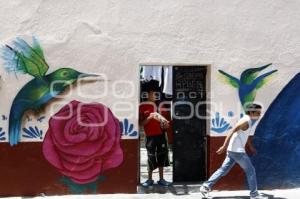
x: 208, y: 106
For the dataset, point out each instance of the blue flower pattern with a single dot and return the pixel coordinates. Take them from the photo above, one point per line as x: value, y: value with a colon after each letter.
x: 2, y: 134
x: 127, y: 129
x: 33, y: 132
x: 219, y: 125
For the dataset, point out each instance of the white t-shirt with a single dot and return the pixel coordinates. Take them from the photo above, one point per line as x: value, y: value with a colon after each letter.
x: 239, y: 139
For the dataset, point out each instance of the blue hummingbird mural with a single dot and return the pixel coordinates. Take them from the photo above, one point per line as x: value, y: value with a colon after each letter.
x: 249, y: 82
x: 23, y: 58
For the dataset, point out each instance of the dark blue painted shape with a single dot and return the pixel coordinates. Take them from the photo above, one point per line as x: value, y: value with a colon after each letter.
x: 277, y: 139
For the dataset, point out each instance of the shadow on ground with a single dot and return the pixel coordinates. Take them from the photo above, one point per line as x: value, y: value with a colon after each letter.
x: 174, y: 189
x: 265, y: 196
x: 187, y: 189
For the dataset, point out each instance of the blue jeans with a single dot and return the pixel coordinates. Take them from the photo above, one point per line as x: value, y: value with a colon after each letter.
x: 245, y: 163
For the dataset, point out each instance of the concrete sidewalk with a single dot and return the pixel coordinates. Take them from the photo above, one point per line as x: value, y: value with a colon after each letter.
x: 270, y: 194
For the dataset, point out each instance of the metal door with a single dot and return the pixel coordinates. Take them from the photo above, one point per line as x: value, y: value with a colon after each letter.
x: 189, y: 123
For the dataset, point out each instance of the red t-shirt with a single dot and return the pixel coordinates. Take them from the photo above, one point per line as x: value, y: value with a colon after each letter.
x: 152, y: 128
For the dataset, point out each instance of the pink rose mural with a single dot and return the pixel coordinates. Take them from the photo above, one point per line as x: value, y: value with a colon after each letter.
x: 83, y: 141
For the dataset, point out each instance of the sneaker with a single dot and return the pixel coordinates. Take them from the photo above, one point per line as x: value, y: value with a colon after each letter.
x: 164, y: 183
x: 204, y: 189
x: 147, y: 183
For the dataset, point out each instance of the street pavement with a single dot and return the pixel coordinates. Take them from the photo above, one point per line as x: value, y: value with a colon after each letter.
x: 270, y: 194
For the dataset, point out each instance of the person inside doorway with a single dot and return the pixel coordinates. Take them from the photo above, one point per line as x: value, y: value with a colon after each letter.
x: 155, y: 125
x: 235, y: 146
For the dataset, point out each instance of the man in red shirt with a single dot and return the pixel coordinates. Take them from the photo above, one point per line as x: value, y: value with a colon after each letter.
x: 155, y: 125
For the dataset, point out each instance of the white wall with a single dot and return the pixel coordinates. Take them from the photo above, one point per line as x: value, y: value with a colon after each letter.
x: 114, y: 37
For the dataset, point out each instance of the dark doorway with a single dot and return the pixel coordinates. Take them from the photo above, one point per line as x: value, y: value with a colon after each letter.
x: 184, y: 96
x: 189, y: 123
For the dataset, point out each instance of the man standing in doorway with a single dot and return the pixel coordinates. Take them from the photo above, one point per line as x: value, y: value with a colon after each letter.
x: 235, y: 146
x: 154, y: 124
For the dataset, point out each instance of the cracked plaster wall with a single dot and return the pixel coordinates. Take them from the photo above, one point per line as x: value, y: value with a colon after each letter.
x: 114, y: 37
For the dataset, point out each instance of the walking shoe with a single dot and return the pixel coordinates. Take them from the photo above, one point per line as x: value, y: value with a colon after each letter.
x: 164, y: 183
x: 147, y: 183
x: 204, y: 190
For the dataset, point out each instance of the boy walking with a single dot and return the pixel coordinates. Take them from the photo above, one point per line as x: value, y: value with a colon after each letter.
x: 234, y: 144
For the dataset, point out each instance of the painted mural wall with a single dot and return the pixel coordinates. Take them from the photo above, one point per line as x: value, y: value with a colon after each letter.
x: 80, y: 140
x: 49, y: 41
x: 275, y: 135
